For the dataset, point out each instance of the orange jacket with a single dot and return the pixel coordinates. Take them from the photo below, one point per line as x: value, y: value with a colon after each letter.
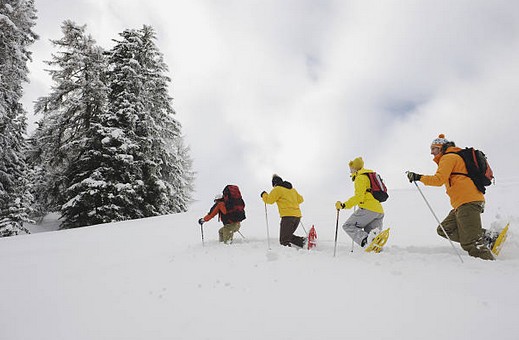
x: 460, y: 188
x: 217, y: 208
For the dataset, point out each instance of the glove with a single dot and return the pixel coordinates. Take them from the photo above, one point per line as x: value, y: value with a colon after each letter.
x: 339, y: 205
x: 413, y: 177
x: 201, y: 221
x: 262, y: 193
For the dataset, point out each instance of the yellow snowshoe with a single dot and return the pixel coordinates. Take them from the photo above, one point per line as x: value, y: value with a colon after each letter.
x: 496, y: 248
x: 378, y: 242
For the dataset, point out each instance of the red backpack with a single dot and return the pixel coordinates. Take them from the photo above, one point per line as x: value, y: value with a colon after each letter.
x: 378, y: 188
x: 234, y: 205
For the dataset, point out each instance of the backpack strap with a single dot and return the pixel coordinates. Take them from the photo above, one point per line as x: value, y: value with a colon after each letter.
x: 369, y: 179
x: 457, y: 173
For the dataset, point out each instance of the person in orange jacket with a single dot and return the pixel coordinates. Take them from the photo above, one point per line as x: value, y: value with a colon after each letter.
x: 225, y: 233
x: 463, y: 223
x: 288, y: 200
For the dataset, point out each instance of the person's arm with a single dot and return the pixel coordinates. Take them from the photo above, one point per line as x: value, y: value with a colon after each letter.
x: 217, y: 207
x: 273, y: 197
x: 444, y: 171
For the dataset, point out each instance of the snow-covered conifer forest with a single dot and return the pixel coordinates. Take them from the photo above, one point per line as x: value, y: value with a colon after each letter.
x: 107, y: 147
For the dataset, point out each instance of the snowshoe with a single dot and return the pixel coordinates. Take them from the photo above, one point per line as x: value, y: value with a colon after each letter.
x: 378, y: 242
x: 498, y: 244
x: 312, y: 238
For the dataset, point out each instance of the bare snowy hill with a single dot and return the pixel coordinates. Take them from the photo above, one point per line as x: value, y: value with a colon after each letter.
x: 153, y: 279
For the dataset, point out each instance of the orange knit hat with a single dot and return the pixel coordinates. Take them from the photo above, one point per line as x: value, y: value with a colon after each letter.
x: 438, y: 142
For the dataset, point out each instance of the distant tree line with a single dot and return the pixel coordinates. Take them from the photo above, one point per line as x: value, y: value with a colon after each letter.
x: 107, y: 147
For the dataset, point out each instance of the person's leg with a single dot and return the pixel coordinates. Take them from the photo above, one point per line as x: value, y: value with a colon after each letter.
x: 288, y: 225
x: 377, y: 223
x: 297, y: 240
x: 450, y: 224
x: 234, y: 227
x: 227, y: 232
x: 470, y: 232
x: 355, y: 224
x: 220, y: 234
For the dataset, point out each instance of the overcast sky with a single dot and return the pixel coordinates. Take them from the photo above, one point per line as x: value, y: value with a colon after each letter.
x: 301, y: 87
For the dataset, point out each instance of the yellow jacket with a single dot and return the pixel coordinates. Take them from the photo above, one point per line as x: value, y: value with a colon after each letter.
x: 362, y: 197
x: 460, y: 188
x: 288, y: 200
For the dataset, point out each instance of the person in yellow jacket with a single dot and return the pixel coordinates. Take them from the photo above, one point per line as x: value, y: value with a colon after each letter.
x: 288, y: 200
x: 367, y: 221
x: 463, y: 223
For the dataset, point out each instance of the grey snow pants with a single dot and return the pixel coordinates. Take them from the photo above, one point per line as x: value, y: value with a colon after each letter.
x: 361, y: 222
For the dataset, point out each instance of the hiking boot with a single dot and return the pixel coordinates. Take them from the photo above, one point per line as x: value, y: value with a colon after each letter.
x: 489, y: 238
x: 372, y: 234
x: 301, y: 242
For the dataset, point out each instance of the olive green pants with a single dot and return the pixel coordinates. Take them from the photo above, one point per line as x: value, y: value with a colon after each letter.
x: 463, y: 225
x: 227, y: 231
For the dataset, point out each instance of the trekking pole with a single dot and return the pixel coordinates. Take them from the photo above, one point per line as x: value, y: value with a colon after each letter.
x: 267, y: 220
x: 239, y: 232
x: 202, y: 232
x: 352, y: 242
x: 336, y: 229
x: 437, y: 220
x: 301, y: 222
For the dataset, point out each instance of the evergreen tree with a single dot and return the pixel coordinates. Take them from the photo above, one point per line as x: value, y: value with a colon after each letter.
x: 141, y: 107
x: 17, y: 18
x: 68, y: 142
x: 186, y: 178
x: 109, y: 153
x: 101, y: 189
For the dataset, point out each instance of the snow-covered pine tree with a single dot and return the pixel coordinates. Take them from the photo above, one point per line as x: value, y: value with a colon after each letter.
x: 68, y: 146
x: 17, y: 18
x: 141, y: 106
x: 184, y: 184
x: 99, y: 189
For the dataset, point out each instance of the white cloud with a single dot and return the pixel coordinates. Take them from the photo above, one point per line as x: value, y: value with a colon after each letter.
x: 302, y: 87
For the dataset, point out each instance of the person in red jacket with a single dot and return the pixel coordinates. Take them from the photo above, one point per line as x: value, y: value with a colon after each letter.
x: 225, y: 233
x: 463, y: 223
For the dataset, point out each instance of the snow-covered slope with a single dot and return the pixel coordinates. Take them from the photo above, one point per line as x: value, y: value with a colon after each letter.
x: 153, y: 279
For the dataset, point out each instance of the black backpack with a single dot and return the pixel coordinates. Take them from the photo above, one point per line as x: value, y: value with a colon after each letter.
x: 378, y: 188
x: 234, y: 205
x: 477, y: 167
